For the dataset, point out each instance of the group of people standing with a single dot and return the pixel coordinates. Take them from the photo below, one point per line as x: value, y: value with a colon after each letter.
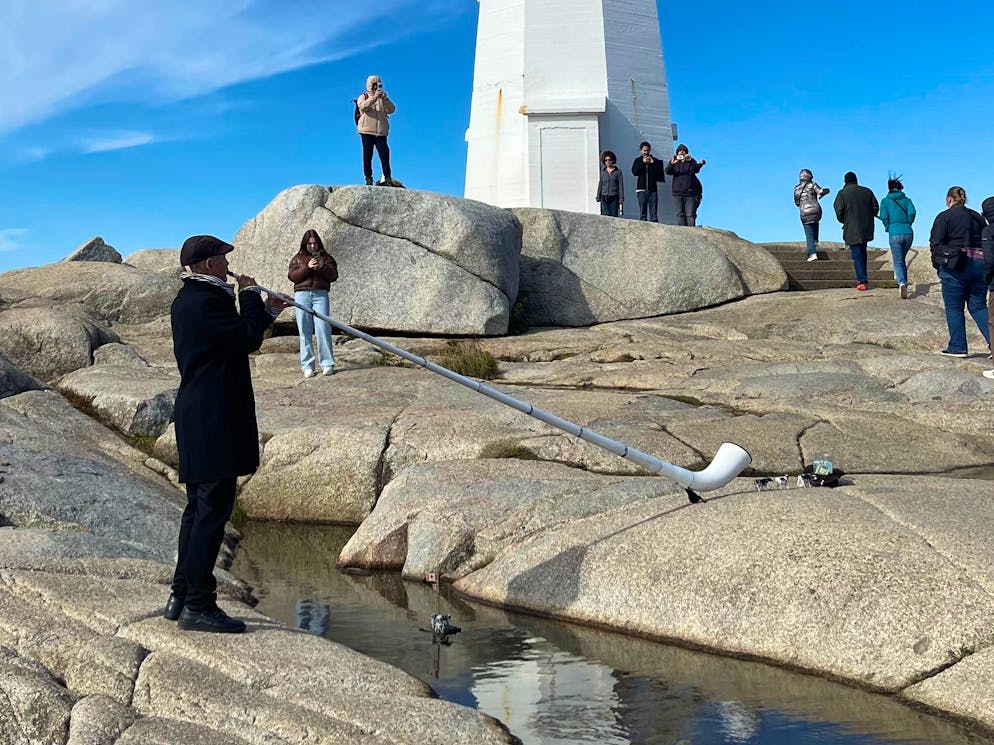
x: 649, y: 171
x: 961, y: 243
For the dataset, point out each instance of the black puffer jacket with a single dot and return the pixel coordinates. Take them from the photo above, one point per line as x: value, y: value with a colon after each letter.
x: 684, y: 173
x: 987, y: 240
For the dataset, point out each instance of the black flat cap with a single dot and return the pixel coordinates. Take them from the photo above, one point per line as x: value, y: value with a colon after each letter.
x: 196, y: 248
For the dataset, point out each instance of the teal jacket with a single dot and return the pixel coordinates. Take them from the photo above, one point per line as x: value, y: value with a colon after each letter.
x: 897, y: 213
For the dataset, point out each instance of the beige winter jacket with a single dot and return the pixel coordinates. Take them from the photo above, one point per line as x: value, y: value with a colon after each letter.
x: 373, y: 112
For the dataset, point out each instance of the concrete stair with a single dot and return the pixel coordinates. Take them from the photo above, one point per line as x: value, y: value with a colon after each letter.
x: 833, y: 269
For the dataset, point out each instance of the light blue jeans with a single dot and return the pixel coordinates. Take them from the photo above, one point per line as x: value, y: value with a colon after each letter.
x: 316, y: 300
x: 899, y: 245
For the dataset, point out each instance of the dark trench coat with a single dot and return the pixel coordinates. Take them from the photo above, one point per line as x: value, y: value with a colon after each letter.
x: 856, y: 207
x: 216, y: 431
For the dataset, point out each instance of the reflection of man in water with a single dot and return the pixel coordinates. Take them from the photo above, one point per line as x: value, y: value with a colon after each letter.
x: 313, y: 616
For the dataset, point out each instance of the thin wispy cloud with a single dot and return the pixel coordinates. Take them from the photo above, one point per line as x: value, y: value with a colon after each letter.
x: 11, y: 239
x: 117, y: 141
x: 117, y: 51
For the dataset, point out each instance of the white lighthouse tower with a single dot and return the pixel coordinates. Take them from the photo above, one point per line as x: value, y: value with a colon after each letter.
x: 555, y: 83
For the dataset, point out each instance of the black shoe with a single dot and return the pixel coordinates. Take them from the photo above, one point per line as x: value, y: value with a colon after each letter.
x: 214, y: 620
x: 174, y: 606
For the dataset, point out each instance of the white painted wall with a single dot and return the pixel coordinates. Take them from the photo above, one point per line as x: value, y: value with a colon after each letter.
x: 555, y: 82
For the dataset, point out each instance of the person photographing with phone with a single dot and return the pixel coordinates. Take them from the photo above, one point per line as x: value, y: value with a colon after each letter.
x: 373, y: 124
x: 312, y: 270
x: 648, y: 171
x: 687, y: 187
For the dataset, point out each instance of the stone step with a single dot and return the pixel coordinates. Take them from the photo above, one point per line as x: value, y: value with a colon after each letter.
x: 831, y: 284
x: 795, y: 255
x: 833, y: 269
x: 833, y: 265
x: 874, y: 275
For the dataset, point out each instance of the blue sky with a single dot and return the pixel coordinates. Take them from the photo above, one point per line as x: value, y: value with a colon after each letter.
x: 146, y: 124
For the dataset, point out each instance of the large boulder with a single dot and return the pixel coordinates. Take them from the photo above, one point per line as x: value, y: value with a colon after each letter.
x: 577, y: 270
x: 14, y: 381
x: 133, y: 399
x: 59, y: 474
x: 155, y: 259
x: 108, y: 292
x: 882, y: 583
x: 408, y: 260
x: 95, y: 250
x: 50, y: 342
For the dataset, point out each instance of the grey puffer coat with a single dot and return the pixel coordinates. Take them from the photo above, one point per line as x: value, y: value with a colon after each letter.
x: 806, y: 196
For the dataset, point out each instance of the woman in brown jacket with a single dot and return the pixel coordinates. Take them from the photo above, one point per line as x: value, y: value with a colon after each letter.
x: 312, y: 270
x: 375, y: 108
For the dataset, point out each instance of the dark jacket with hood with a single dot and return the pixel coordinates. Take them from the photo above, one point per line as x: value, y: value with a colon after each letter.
x: 856, y: 208
x: 305, y: 278
x: 651, y: 171
x: 987, y: 240
x: 216, y: 431
x: 684, y: 173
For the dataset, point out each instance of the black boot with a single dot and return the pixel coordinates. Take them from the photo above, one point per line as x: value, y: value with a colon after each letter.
x: 174, y: 606
x: 213, y: 620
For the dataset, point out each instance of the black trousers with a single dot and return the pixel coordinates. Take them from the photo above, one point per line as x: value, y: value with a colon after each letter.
x: 208, y: 507
x: 380, y: 143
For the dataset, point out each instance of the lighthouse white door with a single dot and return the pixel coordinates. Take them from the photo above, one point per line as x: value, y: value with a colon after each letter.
x: 567, y: 158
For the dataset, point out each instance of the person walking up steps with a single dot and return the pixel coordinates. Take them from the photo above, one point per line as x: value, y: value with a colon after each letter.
x: 897, y: 213
x: 855, y: 207
x: 959, y: 259
x: 806, y: 196
x: 987, y: 239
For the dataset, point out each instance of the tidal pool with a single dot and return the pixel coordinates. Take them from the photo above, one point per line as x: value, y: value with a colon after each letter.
x: 553, y: 682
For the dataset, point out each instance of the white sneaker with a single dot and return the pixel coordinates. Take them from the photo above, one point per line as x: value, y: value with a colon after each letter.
x: 989, y: 374
x: 813, y: 257
x: 308, y: 373
x: 328, y: 371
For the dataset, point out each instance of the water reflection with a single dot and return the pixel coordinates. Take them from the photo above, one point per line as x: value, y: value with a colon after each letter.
x: 552, y: 682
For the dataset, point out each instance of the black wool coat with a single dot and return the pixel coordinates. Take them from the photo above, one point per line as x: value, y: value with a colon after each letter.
x: 216, y: 431
x: 855, y: 207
